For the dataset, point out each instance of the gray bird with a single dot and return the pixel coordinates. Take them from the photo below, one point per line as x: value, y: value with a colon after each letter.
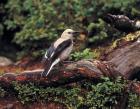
x: 59, y: 50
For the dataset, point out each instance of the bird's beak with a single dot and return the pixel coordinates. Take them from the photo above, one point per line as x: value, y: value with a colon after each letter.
x: 75, y: 33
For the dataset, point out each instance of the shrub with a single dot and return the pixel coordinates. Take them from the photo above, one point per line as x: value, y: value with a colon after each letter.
x: 26, y: 93
x: 86, y: 94
x: 105, y: 94
x: 34, y: 24
x: 85, y: 54
x: 134, y: 101
x: 46, y: 19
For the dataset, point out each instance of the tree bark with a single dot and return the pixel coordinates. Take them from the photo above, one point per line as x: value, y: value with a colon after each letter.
x: 65, y: 74
x: 126, y: 59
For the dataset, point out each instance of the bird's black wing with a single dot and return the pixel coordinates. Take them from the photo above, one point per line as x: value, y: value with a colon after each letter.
x: 61, y: 47
x: 50, y: 51
x: 53, y: 53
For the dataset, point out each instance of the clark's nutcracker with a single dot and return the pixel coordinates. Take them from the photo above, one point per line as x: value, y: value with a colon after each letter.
x: 59, y: 50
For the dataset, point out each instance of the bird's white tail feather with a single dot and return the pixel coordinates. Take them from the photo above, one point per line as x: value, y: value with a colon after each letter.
x: 54, y: 63
x: 46, y: 55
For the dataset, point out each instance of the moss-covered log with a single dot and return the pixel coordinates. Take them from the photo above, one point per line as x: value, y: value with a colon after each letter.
x: 63, y: 74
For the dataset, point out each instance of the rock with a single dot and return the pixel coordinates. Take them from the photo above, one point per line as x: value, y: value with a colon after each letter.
x: 4, y: 61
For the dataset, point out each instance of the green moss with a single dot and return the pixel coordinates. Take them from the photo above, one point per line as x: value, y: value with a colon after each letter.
x: 127, y: 38
x: 132, y: 36
x: 85, y: 94
x: 134, y: 101
x: 85, y: 54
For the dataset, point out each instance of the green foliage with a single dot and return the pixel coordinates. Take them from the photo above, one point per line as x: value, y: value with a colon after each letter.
x: 32, y: 24
x: 29, y: 93
x: 105, y: 94
x: 87, y: 94
x: 123, y: 6
x: 69, y: 97
x: 38, y: 19
x: 102, y: 31
x: 85, y: 54
x: 26, y: 93
x: 134, y: 101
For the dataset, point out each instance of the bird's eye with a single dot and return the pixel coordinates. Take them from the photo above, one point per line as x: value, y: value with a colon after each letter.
x: 69, y: 32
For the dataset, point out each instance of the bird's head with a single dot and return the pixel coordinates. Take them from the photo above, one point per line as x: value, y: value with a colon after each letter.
x: 69, y: 33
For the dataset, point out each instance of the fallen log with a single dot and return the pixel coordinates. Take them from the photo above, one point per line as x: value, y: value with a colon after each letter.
x: 63, y: 74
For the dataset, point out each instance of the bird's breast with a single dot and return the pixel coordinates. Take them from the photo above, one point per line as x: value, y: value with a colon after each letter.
x: 65, y: 54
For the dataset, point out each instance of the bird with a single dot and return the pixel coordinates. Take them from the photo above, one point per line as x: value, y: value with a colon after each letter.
x: 59, y: 50
x: 123, y: 23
